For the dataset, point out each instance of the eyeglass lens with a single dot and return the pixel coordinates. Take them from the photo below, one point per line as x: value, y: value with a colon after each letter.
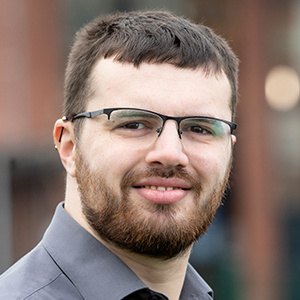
x: 137, y: 127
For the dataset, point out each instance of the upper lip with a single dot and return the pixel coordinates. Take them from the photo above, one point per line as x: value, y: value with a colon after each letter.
x: 164, y: 182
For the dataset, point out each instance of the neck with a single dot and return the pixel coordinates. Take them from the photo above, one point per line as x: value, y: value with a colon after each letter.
x: 163, y: 276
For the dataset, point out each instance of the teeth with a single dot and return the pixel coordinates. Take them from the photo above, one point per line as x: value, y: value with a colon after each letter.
x: 160, y: 188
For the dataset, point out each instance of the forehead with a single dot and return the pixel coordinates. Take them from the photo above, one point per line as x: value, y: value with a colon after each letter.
x: 163, y: 88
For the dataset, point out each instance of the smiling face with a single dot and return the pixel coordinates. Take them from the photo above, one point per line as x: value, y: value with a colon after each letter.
x: 154, y: 199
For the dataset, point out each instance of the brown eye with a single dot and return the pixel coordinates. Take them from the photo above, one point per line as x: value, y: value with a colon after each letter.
x: 133, y: 126
x: 199, y: 130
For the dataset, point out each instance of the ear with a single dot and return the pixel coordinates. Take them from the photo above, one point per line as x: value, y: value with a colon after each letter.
x: 233, y: 139
x: 64, y: 140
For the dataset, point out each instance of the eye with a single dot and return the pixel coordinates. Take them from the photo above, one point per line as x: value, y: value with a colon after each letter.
x: 200, y: 129
x: 132, y: 126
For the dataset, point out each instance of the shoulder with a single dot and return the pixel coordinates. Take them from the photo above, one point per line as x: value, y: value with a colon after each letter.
x: 36, y: 276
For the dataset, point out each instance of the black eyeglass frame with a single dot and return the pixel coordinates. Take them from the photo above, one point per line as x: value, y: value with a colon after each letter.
x: 108, y: 112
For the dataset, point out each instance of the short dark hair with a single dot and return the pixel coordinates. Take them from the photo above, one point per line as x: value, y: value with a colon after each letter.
x: 145, y: 36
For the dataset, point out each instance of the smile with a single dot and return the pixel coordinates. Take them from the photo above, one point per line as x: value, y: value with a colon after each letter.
x: 160, y: 188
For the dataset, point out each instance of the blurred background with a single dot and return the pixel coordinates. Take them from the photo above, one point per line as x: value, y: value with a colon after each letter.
x: 252, y: 250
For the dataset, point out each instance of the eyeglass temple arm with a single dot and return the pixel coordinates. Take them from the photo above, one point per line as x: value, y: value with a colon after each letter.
x: 81, y: 115
x: 89, y: 114
x: 64, y: 119
x: 233, y: 127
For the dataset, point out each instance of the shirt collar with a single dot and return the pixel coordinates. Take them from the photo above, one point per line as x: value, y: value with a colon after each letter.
x: 195, y: 287
x: 94, y: 269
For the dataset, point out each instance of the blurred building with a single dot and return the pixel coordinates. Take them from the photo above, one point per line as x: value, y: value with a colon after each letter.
x: 252, y: 251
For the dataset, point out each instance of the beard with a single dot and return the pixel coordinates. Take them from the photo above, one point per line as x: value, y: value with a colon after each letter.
x: 161, y: 231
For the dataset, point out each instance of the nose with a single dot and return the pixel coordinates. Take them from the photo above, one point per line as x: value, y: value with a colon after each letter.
x: 167, y: 150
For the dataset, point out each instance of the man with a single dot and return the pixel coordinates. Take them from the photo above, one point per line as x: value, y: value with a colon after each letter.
x: 147, y: 145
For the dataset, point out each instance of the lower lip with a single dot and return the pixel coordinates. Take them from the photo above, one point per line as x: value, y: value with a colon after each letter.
x: 162, y: 197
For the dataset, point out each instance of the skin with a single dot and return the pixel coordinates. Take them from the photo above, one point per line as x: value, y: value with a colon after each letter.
x: 167, y: 90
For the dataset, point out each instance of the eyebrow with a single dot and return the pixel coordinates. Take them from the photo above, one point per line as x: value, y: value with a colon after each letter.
x: 135, y: 113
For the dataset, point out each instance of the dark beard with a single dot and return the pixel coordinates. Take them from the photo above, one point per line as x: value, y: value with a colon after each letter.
x: 119, y: 221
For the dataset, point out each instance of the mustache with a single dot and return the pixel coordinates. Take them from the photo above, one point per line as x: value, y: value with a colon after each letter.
x: 133, y: 176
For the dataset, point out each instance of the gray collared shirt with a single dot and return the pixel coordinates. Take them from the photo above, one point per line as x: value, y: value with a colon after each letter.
x: 70, y: 264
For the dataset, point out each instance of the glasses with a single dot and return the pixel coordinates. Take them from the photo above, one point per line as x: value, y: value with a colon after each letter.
x: 138, y: 127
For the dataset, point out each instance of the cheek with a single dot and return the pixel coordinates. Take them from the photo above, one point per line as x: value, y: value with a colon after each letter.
x: 211, y: 164
x: 114, y: 160
x: 106, y: 157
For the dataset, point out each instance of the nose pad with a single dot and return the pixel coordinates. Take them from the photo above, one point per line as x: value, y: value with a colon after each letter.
x: 160, y: 129
x: 179, y: 133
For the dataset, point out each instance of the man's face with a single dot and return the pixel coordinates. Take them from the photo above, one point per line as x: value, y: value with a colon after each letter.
x: 154, y: 199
